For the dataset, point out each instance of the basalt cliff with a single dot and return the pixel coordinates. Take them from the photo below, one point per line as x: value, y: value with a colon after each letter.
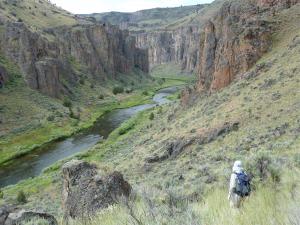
x: 235, y: 39
x: 46, y: 57
x: 173, y: 38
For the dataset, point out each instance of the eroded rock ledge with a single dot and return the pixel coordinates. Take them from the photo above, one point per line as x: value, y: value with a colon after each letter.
x: 85, y: 191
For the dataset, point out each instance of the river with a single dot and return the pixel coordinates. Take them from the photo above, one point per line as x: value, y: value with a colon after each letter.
x: 33, y: 164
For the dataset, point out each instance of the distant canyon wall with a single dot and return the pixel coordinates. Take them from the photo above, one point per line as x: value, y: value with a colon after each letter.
x: 46, y: 58
x: 180, y: 46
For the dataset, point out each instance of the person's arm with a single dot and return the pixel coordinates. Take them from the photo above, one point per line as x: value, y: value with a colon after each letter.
x: 232, y: 185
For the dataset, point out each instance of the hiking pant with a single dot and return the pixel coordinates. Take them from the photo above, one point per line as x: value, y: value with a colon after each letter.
x: 235, y: 201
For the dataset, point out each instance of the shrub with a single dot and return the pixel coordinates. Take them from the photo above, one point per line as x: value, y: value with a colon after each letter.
x: 50, y: 118
x: 126, y: 128
x: 67, y: 103
x: 118, y: 90
x: 151, y: 117
x: 101, y: 96
x: 129, y: 90
x: 1, y: 194
x: 81, y: 81
x: 145, y: 93
x: 262, y: 167
x: 92, y: 86
x: 21, y: 197
x: 73, y: 115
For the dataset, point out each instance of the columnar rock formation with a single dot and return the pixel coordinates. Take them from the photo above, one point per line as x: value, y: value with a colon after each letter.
x: 180, y: 46
x: 46, y: 58
x: 234, y: 40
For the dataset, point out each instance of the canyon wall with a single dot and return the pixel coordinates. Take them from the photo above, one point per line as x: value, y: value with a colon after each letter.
x: 46, y: 58
x: 180, y: 46
x: 234, y: 40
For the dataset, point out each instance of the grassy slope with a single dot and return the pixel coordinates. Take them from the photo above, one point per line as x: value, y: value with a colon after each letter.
x: 148, y: 19
x: 162, y: 18
x: 206, y: 168
x: 38, y: 14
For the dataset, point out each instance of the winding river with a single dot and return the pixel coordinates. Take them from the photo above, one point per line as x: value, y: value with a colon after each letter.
x: 33, y: 164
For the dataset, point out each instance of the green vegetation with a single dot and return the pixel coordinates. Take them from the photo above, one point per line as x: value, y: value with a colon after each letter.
x: 21, y: 197
x: 39, y: 14
x: 1, y: 194
x: 118, y: 90
x: 150, y: 19
x: 151, y: 117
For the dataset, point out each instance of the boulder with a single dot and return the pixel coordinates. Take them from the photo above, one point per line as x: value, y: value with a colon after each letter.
x: 85, y: 191
x: 10, y: 215
x: 3, y: 214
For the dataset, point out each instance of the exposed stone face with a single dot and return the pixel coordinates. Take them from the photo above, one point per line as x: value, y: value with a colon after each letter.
x: 85, y: 191
x: 11, y: 215
x: 272, y: 3
x: 232, y: 42
x: 180, y: 46
x: 3, y: 214
x: 23, y: 216
x: 104, y: 50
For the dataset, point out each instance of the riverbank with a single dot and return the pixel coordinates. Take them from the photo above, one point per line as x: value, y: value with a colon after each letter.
x: 16, y: 146
x: 49, y: 178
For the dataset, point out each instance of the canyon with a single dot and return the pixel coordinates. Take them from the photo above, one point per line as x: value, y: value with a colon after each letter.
x: 237, y: 65
x: 47, y: 60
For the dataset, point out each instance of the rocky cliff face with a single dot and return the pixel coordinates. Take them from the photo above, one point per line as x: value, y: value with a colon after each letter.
x: 277, y: 3
x: 234, y: 40
x: 85, y: 191
x: 103, y: 50
x: 180, y: 46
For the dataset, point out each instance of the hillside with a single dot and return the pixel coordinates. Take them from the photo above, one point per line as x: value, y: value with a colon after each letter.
x: 150, y: 19
x: 176, y: 159
x: 37, y: 14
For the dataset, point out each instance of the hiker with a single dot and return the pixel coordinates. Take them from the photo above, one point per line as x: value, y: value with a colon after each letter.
x: 239, y: 186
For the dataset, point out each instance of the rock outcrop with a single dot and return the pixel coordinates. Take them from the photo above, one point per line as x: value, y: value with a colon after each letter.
x: 277, y: 3
x: 85, y: 191
x: 180, y: 46
x: 13, y: 216
x: 46, y: 58
x: 232, y: 43
x: 234, y: 40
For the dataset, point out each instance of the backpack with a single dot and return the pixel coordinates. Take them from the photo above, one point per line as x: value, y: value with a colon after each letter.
x: 242, y: 188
